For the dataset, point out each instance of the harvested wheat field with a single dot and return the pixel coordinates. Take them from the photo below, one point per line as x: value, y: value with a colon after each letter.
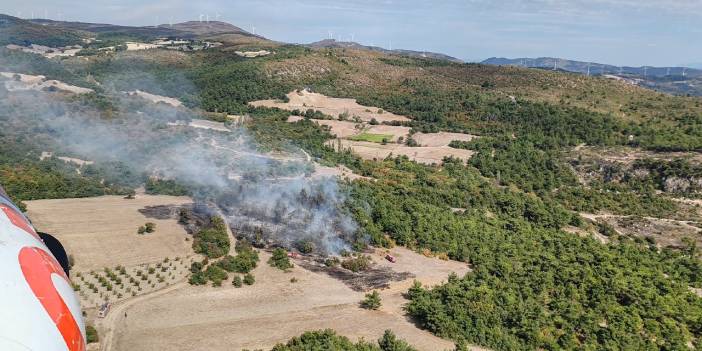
x: 272, y: 310
x: 102, y: 231
x: 426, y: 155
x: 341, y: 129
x: 304, y: 100
x: 440, y: 138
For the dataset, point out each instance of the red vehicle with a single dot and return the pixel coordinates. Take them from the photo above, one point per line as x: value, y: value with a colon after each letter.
x: 293, y: 255
x: 390, y: 258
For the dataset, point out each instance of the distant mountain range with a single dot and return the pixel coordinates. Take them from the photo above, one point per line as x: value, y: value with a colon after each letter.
x: 189, y: 29
x: 594, y: 68
x: 677, y: 80
x: 331, y: 43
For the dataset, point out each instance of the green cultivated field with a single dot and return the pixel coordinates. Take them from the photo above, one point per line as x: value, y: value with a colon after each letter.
x: 375, y: 138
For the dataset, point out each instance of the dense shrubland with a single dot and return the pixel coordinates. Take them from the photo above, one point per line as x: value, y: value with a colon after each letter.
x: 212, y: 241
x: 329, y: 340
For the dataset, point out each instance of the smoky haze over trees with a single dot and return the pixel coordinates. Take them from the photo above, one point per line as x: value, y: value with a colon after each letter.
x: 268, y: 197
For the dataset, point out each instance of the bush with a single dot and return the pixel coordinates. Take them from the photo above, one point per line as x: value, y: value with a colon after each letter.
x: 215, y: 274
x: 150, y: 227
x: 245, y: 260
x: 249, y: 279
x: 372, y: 301
x: 357, y: 264
x: 305, y: 246
x: 196, y: 267
x: 237, y: 281
x: 390, y: 342
x: 198, y: 278
x: 329, y: 340
x: 280, y: 259
x: 91, y: 334
x: 213, y: 241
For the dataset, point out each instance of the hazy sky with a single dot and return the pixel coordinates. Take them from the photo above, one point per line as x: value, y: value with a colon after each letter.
x: 626, y: 32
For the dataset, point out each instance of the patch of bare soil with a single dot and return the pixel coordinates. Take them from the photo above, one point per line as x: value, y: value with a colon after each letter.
x: 627, y: 155
x: 252, y: 54
x: 22, y: 82
x: 663, y: 231
x: 156, y: 98
x: 441, y: 138
x: 274, y: 309
x: 585, y: 233
x: 102, y: 231
x: 426, y: 155
x: 304, y: 100
x: 340, y: 171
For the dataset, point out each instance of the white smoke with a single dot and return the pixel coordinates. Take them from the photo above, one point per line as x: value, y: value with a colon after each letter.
x: 259, y: 193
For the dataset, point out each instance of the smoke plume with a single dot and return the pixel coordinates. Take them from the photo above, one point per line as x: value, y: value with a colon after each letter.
x: 262, y: 196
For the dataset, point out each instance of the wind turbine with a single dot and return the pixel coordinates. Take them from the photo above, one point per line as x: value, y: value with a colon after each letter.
x: 352, y: 37
x: 555, y: 64
x: 253, y: 30
x: 331, y: 35
x: 621, y: 70
x: 201, y: 16
x: 207, y: 18
x: 217, y: 16
x: 684, y: 68
x: 667, y: 71
x: 645, y: 71
x: 588, y: 69
x: 390, y: 45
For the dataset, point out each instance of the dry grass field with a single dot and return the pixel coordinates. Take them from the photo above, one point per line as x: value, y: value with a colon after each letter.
x: 273, y: 310
x: 440, y: 138
x: 341, y: 129
x: 102, y: 231
x: 304, y: 100
x: 426, y: 155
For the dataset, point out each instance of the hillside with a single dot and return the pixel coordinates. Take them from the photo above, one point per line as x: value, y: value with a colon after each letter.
x: 21, y: 32
x: 207, y: 28
x: 332, y: 43
x: 675, y: 80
